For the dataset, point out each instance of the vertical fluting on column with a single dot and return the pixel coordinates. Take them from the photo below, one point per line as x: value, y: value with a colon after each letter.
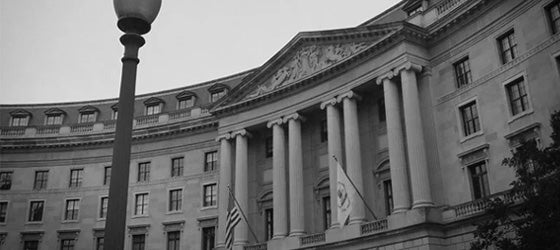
x: 295, y: 154
x: 279, y: 197
x: 420, y: 183
x: 353, y: 152
x: 399, y: 175
x: 241, y: 184
x: 225, y: 182
x: 335, y: 149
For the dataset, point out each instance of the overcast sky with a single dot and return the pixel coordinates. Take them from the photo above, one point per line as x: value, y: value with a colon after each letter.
x: 68, y: 50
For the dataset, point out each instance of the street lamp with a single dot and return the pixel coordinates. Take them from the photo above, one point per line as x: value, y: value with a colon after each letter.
x: 135, y: 18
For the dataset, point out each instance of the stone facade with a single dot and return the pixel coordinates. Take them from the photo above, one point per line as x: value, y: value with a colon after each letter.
x: 419, y: 105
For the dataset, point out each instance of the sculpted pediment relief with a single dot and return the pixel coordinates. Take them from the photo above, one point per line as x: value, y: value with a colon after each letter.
x: 307, y: 61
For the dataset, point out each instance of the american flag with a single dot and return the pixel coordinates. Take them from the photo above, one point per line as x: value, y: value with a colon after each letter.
x: 233, y: 217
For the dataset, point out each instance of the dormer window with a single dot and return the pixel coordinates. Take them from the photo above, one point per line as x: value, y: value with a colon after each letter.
x: 414, y: 7
x: 153, y: 106
x: 185, y: 99
x: 19, y: 118
x: 54, y: 116
x: 115, y: 111
x: 87, y: 114
x: 217, y: 92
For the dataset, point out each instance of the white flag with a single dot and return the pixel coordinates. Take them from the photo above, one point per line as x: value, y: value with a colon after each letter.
x: 345, y: 195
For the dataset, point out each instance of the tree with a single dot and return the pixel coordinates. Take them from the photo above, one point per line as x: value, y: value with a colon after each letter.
x: 534, y: 221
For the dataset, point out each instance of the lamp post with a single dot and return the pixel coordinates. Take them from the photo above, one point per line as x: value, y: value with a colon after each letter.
x: 135, y: 18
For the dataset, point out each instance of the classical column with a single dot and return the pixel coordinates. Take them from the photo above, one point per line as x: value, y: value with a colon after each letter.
x: 353, y: 152
x: 397, y: 158
x: 241, y: 184
x: 295, y: 174
x: 279, y: 197
x: 225, y: 182
x: 420, y: 183
x: 335, y: 149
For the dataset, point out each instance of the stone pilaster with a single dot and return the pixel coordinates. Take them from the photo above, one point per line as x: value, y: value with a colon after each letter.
x: 334, y: 149
x: 241, y: 185
x: 225, y: 182
x: 279, y: 197
x: 420, y: 183
x: 397, y: 157
x: 297, y: 226
x: 353, y: 152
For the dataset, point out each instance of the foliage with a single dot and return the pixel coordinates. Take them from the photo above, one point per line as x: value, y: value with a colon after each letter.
x: 535, y: 222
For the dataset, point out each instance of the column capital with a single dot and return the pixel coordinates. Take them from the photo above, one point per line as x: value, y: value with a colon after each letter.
x: 225, y: 136
x: 294, y: 116
x: 241, y: 132
x: 407, y: 66
x: 389, y: 75
x: 278, y: 122
x: 330, y: 102
x: 349, y: 95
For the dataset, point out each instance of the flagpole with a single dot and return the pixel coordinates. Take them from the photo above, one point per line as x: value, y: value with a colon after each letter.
x: 357, y: 191
x: 243, y: 213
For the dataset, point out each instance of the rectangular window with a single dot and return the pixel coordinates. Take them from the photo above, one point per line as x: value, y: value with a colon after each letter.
x: 326, y: 212
x: 76, y: 176
x: 479, y: 180
x: 173, y: 240
x: 72, y: 209
x: 553, y: 12
x: 107, y: 175
x: 36, y: 211
x: 115, y: 114
x: 211, y: 161
x: 215, y: 96
x: 175, y: 200
x: 54, y: 119
x: 153, y: 109
x: 208, y: 235
x: 41, y: 178
x: 99, y: 243
x: 5, y: 180
x: 186, y: 103
x: 3, y: 211
x: 268, y: 223
x: 67, y: 244
x: 382, y: 116
x: 141, y: 204
x: 508, y: 47
x: 104, y: 202
x: 177, y: 166
x: 210, y: 194
x: 138, y: 241
x: 324, y: 131
x: 268, y: 147
x: 31, y: 245
x: 463, y: 72
x: 388, y: 190
x: 469, y: 116
x: 86, y: 117
x: 143, y: 171
x: 19, y: 121
x: 518, y: 99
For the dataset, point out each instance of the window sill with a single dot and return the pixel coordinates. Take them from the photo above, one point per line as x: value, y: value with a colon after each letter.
x: 174, y: 212
x: 34, y: 223
x: 140, y: 216
x: 520, y: 115
x: 471, y: 136
x: 69, y: 221
x: 208, y: 208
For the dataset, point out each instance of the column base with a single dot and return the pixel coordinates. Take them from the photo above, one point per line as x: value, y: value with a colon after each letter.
x: 239, y: 245
x: 400, y: 210
x: 421, y: 204
x: 356, y: 221
x: 278, y: 236
x: 296, y: 233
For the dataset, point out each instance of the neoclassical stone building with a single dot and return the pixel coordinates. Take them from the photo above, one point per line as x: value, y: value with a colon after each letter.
x: 420, y: 105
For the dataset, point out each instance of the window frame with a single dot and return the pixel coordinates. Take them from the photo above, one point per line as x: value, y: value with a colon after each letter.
x: 326, y: 212
x: 486, y: 184
x: 90, y: 117
x: 268, y: 223
x: 79, y: 179
x: 215, y: 165
x: 107, y: 175
x: 217, y: 94
x: 45, y: 182
x: 268, y: 147
x: 553, y: 28
x: 143, y: 242
x: 143, y: 176
x: 513, y: 49
x: 213, y: 195
x: 463, y: 78
x: 71, y: 247
x: 179, y: 202
x: 177, y: 171
x: 203, y: 237
x: 388, y: 196
x: 521, y: 77
x: 10, y: 180
x: 54, y: 119
x: 463, y: 135
x: 28, y: 211
x: 22, y: 120
x: 65, y: 211
x: 146, y: 208
x: 6, y: 213
x: 177, y: 241
x: 100, y: 211
x: 189, y: 102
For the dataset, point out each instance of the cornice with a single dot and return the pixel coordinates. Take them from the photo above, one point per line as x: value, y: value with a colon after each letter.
x: 107, y: 138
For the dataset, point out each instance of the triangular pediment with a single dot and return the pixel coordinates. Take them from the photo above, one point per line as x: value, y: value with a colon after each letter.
x: 153, y: 100
x: 20, y: 113
x: 54, y: 111
x: 307, y: 57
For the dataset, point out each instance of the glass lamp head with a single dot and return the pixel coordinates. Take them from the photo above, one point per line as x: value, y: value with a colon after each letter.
x: 136, y: 16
